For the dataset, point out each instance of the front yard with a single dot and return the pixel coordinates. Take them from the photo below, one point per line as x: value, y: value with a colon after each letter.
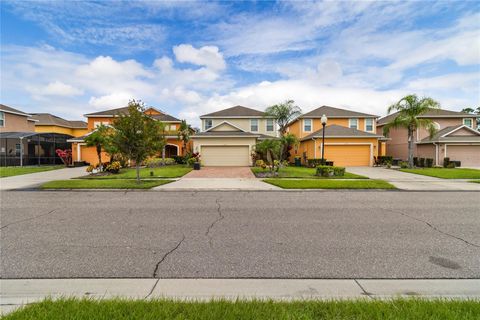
x: 16, y: 171
x: 444, y: 173
x: 301, y: 172
x: 168, y: 309
x: 171, y: 171
x: 103, y: 184
x: 329, y: 184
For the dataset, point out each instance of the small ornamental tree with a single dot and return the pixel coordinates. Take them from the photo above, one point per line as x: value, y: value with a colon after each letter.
x: 271, y: 149
x: 184, y: 135
x: 136, y: 135
x: 65, y: 155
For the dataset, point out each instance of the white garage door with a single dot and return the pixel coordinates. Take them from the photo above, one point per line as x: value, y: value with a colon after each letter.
x: 233, y: 156
x: 468, y: 155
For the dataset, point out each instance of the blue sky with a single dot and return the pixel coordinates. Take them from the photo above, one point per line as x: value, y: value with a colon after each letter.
x: 189, y: 58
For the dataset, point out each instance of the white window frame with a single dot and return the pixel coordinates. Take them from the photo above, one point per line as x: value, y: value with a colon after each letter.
x: 96, y: 124
x: 471, y: 122
x: 19, y: 145
x: 205, y: 124
x: 366, y: 128
x: 251, y: 125
x: 2, y: 118
x: 304, y: 125
x: 350, y: 122
x: 266, y: 125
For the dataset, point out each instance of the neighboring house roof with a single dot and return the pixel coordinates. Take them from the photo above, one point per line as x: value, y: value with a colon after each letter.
x: 8, y: 109
x: 235, y: 112
x: 336, y: 131
x: 47, y: 119
x: 445, y: 135
x: 115, y: 112
x: 431, y: 113
x: 207, y: 134
x: 332, y: 112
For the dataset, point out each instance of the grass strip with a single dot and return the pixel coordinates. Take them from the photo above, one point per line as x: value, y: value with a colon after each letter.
x: 173, y: 171
x: 167, y: 309
x: 103, y: 184
x: 444, y: 173
x: 329, y: 184
x: 16, y: 171
x: 303, y: 172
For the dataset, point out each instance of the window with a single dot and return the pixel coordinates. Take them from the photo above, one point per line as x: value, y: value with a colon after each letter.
x: 2, y: 119
x: 18, y: 149
x: 254, y: 125
x: 369, y: 124
x: 96, y: 124
x: 353, y: 123
x: 307, y: 125
x: 208, y: 124
x: 468, y: 122
x: 270, y: 126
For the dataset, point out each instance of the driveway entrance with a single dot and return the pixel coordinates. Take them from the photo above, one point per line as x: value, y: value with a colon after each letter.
x: 221, y: 172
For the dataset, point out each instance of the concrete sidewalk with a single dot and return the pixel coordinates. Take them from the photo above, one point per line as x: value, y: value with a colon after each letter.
x: 32, y: 180
x: 411, y: 181
x: 18, y: 292
x: 217, y: 184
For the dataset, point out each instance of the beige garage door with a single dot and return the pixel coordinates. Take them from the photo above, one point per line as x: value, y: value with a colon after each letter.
x: 468, y: 155
x: 233, y: 156
x: 348, y: 155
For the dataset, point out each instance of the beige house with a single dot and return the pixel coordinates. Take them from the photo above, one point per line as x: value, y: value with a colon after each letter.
x: 13, y: 120
x: 456, y: 138
x: 228, y: 136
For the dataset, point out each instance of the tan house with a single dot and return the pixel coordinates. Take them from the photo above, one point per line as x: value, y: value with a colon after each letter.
x: 228, y: 136
x: 351, y: 138
x: 456, y: 138
x: 14, y: 120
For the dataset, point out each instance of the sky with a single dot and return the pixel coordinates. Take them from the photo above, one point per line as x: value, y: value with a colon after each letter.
x: 189, y: 58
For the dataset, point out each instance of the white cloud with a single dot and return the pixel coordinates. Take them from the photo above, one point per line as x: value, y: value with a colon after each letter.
x: 59, y: 88
x: 114, y: 100
x: 208, y: 56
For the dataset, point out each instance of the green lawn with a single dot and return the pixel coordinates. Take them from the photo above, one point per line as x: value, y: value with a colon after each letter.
x: 475, y: 181
x: 329, y: 184
x: 103, y: 184
x: 303, y: 172
x: 223, y: 310
x: 173, y: 171
x: 15, y: 171
x: 444, y: 173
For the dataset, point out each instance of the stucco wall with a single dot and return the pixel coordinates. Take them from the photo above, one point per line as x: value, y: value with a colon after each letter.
x: 17, y: 123
x: 244, y: 124
x: 298, y: 126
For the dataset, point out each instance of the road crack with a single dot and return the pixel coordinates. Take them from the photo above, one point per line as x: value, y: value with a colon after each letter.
x: 157, y: 266
x: 364, y: 292
x: 219, y: 218
x: 431, y: 226
x: 28, y: 219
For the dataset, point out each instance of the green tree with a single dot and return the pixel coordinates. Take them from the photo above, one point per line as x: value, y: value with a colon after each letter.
x: 409, y: 109
x: 184, y: 135
x: 136, y: 135
x: 283, y: 114
x: 288, y: 141
x: 271, y: 149
x: 470, y: 110
x: 100, y: 140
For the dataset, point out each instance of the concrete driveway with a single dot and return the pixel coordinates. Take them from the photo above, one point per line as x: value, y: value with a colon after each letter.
x: 35, y: 179
x: 410, y: 181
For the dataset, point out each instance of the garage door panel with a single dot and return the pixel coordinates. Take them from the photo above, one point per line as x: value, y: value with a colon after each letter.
x: 348, y: 155
x: 468, y: 155
x: 225, y: 156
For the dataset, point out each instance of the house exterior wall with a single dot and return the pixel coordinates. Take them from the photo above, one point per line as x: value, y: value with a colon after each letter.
x: 297, y: 127
x: 244, y: 124
x: 17, y: 123
x: 74, y: 132
x: 426, y: 151
x: 91, y: 122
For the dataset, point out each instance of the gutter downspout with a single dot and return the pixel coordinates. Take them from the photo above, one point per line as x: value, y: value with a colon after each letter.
x: 21, y: 151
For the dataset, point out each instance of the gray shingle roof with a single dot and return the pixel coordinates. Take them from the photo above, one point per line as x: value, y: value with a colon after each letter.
x: 12, y: 110
x: 437, y: 137
x: 113, y: 112
x: 237, y: 111
x: 50, y: 119
x: 226, y: 133
x: 432, y: 113
x: 335, y: 113
x: 165, y: 118
x: 336, y: 131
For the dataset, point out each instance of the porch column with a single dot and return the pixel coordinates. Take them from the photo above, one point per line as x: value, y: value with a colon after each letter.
x: 21, y: 151
x: 79, y: 156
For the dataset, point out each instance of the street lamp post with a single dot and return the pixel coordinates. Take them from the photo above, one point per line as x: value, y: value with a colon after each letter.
x: 324, y: 123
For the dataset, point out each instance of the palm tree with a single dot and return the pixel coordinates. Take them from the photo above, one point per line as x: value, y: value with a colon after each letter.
x: 184, y: 135
x: 98, y: 139
x: 283, y: 114
x: 409, y: 109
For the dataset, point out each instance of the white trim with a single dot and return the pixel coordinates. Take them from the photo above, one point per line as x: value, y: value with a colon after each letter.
x: 462, y: 126
x: 258, y: 125
x: 350, y: 123
x: 273, y: 122
x: 17, y: 113
x: 303, y: 125
x: 472, y: 122
x: 3, y: 112
x: 226, y: 136
x: 234, y: 117
x: 354, y: 143
x: 225, y: 122
x: 373, y: 125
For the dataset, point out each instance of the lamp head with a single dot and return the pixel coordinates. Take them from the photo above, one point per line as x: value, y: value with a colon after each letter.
x: 324, y: 120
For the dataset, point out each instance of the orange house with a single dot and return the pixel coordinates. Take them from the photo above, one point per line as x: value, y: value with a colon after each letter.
x: 350, y: 137
x: 80, y: 152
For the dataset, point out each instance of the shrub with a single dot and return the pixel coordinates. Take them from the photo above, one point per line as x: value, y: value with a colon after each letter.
x: 89, y: 169
x: 191, y: 161
x: 325, y: 171
x: 429, y: 162
x: 383, y: 160
x: 446, y: 162
x: 421, y: 162
x: 338, y: 171
x: 451, y: 165
x: 158, y: 162
x: 457, y: 163
x: 312, y: 163
x: 113, y: 167
x: 415, y: 161
x: 403, y: 164
x: 259, y: 163
x: 180, y: 159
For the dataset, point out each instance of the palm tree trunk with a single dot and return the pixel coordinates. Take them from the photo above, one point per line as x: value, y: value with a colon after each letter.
x: 137, y: 165
x: 410, y: 147
x: 99, y: 154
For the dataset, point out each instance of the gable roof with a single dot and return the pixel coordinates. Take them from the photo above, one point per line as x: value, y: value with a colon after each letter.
x: 224, y: 123
x: 45, y: 119
x: 237, y: 111
x: 115, y: 112
x: 431, y: 113
x: 336, y: 131
x: 332, y: 112
x: 8, y: 109
x: 443, y: 135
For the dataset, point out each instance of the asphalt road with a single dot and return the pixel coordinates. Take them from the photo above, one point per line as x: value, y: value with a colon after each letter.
x: 240, y: 234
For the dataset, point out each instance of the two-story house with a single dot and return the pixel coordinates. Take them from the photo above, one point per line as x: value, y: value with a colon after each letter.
x: 80, y: 152
x: 456, y: 138
x: 351, y: 138
x: 49, y: 123
x: 14, y: 120
x: 228, y: 136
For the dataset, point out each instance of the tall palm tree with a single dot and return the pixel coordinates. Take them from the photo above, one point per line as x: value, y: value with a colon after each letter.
x: 409, y: 109
x: 98, y: 139
x: 184, y: 135
x: 283, y: 113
